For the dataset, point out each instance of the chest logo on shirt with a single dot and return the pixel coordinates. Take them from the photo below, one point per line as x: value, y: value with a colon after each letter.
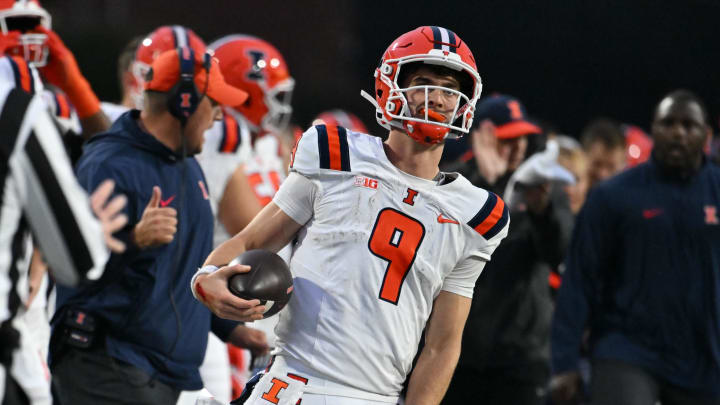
x: 205, y: 194
x: 165, y: 203
x: 361, y: 181
x: 444, y: 220
x: 651, y: 213
x: 410, y: 196
x: 711, y: 215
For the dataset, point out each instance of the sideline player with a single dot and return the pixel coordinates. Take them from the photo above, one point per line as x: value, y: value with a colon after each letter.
x: 387, y: 244
x: 257, y: 67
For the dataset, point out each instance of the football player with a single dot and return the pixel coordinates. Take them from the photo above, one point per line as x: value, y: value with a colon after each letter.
x: 387, y: 245
x: 25, y: 31
x: 257, y: 131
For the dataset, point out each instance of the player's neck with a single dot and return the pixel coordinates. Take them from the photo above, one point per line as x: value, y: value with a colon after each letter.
x: 412, y: 157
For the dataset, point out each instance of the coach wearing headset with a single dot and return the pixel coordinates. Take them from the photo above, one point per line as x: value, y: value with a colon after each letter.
x: 139, y: 336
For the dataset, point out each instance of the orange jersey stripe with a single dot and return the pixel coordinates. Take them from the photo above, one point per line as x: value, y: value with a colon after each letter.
x: 492, y: 219
x: 63, y: 106
x: 230, y: 139
x: 334, y: 146
x: 25, y: 78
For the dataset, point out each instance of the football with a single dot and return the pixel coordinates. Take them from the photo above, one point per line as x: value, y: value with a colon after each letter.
x: 268, y: 280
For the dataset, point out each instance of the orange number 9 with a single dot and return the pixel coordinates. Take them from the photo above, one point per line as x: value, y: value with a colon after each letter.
x: 395, y: 238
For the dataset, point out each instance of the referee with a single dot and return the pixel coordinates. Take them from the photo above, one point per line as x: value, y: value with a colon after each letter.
x: 39, y: 195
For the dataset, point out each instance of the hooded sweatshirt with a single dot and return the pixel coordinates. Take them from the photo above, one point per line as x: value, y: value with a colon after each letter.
x: 146, y: 313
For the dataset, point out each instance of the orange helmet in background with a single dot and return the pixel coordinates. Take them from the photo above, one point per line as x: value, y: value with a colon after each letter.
x: 432, y: 46
x: 254, y: 65
x: 638, y: 145
x: 165, y: 38
x: 343, y: 119
x: 23, y: 16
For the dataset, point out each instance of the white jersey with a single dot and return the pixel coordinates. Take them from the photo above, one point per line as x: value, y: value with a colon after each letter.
x: 227, y: 146
x: 266, y: 170
x: 377, y: 247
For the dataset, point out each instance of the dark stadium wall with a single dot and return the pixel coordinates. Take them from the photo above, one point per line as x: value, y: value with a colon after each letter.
x: 568, y: 61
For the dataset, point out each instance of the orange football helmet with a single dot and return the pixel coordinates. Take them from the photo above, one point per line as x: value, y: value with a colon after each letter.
x: 432, y: 46
x: 254, y: 65
x: 165, y: 38
x: 342, y: 119
x: 23, y: 16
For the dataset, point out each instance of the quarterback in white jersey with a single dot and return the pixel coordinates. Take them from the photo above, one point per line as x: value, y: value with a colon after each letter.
x: 417, y: 238
x: 387, y: 245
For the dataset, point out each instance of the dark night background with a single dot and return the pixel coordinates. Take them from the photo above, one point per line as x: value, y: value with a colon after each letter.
x: 568, y: 61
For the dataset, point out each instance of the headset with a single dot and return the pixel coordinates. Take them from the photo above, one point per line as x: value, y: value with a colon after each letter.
x: 184, y: 98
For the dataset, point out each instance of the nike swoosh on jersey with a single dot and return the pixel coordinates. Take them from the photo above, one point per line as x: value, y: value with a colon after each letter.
x: 444, y: 220
x: 165, y: 203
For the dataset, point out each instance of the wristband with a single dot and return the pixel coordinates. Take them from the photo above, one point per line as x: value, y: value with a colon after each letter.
x: 209, y: 269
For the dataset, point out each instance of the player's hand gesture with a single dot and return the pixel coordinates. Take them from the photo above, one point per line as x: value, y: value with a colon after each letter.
x: 212, y: 290
x: 10, y: 42
x: 491, y: 164
x: 158, y: 223
x: 63, y: 71
x: 109, y: 213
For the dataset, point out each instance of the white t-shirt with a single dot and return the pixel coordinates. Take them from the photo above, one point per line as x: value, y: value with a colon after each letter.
x: 377, y: 247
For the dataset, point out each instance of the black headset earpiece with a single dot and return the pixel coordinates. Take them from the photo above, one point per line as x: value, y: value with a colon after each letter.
x: 183, y: 98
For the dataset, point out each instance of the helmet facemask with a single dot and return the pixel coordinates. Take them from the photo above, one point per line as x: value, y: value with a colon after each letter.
x: 32, y: 46
x: 139, y: 71
x: 278, y: 101
x: 397, y: 107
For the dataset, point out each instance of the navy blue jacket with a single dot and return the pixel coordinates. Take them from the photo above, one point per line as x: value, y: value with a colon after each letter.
x: 643, y: 272
x: 133, y: 296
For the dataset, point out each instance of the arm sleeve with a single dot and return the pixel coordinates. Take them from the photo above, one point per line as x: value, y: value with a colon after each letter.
x: 462, y: 279
x: 296, y: 197
x: 57, y: 208
x: 588, y: 255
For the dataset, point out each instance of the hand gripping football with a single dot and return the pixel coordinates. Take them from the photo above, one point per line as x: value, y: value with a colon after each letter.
x: 268, y: 280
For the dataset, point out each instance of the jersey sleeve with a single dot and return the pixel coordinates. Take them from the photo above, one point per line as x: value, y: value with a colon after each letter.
x: 461, y: 280
x: 63, y: 110
x: 491, y: 224
x: 321, y: 148
x: 296, y: 197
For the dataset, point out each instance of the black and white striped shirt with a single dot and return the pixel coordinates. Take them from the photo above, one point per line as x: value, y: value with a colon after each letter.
x: 39, y: 193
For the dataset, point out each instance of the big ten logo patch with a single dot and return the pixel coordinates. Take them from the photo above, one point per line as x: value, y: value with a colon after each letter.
x: 361, y: 181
